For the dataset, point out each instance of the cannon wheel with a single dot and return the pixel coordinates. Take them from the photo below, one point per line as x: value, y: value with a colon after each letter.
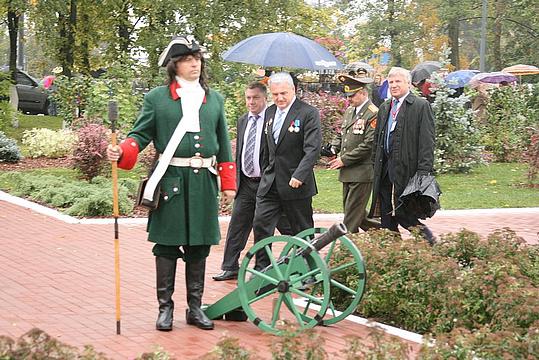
x: 283, y: 279
x: 355, y: 292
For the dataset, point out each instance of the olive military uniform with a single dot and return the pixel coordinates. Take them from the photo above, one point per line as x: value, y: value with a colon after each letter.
x: 354, y: 145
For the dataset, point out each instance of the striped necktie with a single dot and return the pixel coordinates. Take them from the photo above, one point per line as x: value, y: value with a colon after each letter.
x: 249, y: 166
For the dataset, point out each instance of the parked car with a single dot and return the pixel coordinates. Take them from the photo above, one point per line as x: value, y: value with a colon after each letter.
x: 33, y: 98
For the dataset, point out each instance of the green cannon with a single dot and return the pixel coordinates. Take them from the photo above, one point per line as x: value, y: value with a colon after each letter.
x: 298, y: 285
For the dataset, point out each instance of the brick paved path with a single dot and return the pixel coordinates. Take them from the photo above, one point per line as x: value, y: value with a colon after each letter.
x: 59, y: 277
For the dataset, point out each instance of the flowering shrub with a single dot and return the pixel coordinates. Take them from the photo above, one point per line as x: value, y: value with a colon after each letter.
x: 48, y: 143
x: 89, y: 151
x: 461, y: 287
x: 331, y: 107
x: 9, y: 151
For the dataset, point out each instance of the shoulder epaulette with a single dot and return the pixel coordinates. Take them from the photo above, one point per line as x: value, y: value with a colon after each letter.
x: 373, y: 108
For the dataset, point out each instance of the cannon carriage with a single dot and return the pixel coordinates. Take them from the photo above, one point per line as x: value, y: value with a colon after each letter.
x: 298, y: 284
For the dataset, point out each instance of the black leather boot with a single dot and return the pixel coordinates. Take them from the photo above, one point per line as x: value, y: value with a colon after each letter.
x: 194, y: 280
x: 166, y: 275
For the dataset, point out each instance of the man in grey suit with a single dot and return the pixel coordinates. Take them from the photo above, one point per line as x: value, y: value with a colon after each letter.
x: 249, y: 149
x: 292, y: 147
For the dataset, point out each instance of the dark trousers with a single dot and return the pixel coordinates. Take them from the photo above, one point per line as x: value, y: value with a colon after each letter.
x: 401, y: 217
x: 241, y: 223
x: 269, y: 209
x: 355, y: 198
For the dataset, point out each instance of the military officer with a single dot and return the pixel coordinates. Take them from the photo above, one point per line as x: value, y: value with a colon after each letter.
x: 353, y: 147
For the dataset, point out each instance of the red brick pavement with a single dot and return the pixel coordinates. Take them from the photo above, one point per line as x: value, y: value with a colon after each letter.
x: 59, y: 277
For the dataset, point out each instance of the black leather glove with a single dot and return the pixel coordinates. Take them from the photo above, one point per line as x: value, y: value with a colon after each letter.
x: 327, y: 150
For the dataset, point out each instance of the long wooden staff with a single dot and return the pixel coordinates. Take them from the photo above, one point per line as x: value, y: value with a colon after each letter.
x: 113, y: 116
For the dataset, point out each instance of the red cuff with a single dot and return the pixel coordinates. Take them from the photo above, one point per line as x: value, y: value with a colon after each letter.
x: 130, y: 152
x: 227, y: 173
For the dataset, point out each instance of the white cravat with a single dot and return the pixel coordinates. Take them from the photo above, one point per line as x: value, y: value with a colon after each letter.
x: 191, y: 94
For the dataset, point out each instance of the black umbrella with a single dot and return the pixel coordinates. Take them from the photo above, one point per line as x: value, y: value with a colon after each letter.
x: 421, y: 196
x: 422, y: 71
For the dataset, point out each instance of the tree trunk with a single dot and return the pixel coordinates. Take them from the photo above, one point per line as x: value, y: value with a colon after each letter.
x: 84, y: 46
x: 393, y: 35
x: 499, y: 9
x: 453, y: 39
x: 13, y: 29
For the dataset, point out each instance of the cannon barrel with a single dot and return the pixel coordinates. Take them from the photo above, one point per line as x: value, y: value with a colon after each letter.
x: 333, y: 233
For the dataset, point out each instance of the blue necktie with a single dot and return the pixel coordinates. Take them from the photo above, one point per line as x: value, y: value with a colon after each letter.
x: 390, y: 120
x: 278, y: 124
x: 248, y: 160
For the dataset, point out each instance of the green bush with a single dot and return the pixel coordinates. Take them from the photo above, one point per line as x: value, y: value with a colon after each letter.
x: 9, y: 151
x: 461, y: 285
x: 71, y: 96
x: 48, y: 143
x: 74, y: 197
x: 457, y: 137
x: 6, y: 111
x: 88, y: 97
x: 506, y: 132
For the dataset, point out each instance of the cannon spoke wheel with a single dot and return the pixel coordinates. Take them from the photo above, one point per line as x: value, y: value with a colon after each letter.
x: 337, y: 256
x: 262, y: 293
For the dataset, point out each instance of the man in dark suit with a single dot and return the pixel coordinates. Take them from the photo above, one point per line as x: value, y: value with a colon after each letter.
x: 292, y: 147
x: 249, y: 146
x: 403, y: 146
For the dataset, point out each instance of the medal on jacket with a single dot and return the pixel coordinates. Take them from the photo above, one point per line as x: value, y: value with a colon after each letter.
x: 296, y: 125
x: 268, y: 124
x: 358, y: 127
x: 291, y: 127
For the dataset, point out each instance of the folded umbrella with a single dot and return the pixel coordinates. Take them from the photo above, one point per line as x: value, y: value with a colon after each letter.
x: 421, y: 197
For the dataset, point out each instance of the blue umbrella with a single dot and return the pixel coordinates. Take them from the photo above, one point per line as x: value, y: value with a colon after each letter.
x: 460, y: 78
x: 282, y: 49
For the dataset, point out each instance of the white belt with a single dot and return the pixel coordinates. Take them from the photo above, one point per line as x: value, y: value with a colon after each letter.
x: 195, y: 162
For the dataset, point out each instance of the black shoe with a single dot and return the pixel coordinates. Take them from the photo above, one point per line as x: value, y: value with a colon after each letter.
x: 226, y: 275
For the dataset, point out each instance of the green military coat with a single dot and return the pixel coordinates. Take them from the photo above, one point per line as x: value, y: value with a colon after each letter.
x: 189, y: 205
x: 354, y: 144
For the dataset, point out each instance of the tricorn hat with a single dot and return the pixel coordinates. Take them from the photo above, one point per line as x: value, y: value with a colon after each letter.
x: 180, y: 45
x: 351, y: 85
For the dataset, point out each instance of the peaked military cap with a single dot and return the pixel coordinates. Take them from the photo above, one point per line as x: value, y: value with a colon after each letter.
x: 351, y: 85
x: 180, y: 45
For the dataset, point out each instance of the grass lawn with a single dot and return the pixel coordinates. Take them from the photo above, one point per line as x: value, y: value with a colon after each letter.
x: 28, y: 122
x: 498, y: 185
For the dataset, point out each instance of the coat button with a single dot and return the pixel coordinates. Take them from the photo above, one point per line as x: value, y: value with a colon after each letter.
x: 175, y: 189
x: 197, y: 145
x: 165, y: 197
x: 196, y: 137
x: 195, y: 171
x: 197, y: 154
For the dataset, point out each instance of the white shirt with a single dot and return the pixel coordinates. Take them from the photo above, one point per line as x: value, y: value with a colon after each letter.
x: 256, y: 157
x: 284, y: 112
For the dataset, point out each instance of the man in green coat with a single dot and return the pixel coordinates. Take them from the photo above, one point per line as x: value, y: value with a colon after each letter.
x: 353, y: 147
x: 190, y: 117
